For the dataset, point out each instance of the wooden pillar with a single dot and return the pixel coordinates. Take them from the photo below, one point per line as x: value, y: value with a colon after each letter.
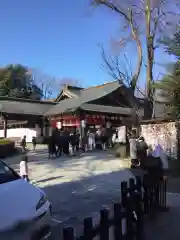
x: 82, y: 118
x: 42, y: 127
x: 5, y: 126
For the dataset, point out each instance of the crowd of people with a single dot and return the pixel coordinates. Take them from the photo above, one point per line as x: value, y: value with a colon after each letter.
x: 144, y: 156
x: 70, y: 142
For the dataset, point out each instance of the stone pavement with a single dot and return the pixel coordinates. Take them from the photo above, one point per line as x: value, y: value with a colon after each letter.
x: 167, y: 225
x: 80, y: 186
x: 77, y: 187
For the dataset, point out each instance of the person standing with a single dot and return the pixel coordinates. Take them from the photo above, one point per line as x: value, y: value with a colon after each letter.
x: 142, y: 148
x: 98, y: 139
x: 23, y: 144
x: 24, y: 168
x: 133, y: 150
x: 51, y: 147
x: 103, y: 138
x: 34, y: 143
x: 90, y: 140
x: 66, y: 141
x: 60, y: 143
x: 73, y: 142
x: 77, y: 141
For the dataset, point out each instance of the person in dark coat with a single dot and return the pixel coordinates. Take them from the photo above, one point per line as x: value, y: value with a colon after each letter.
x: 60, y: 144
x: 23, y: 144
x: 34, y: 143
x: 142, y: 148
x: 52, y: 147
x: 66, y: 139
x: 77, y: 141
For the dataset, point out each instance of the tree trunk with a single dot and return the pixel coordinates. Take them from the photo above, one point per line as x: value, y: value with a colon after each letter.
x: 136, y: 38
x: 150, y: 60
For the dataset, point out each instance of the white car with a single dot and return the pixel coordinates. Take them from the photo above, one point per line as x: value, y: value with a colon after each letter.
x: 25, y: 212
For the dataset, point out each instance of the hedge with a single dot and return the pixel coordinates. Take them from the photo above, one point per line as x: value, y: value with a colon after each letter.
x: 7, y: 148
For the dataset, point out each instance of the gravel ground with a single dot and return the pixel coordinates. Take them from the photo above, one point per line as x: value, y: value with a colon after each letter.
x: 80, y: 186
x: 77, y: 187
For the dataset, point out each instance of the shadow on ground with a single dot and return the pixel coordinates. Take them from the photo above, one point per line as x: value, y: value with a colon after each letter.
x: 73, y: 201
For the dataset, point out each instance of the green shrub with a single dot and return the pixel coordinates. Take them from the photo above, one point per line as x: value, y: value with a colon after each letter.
x: 7, y: 148
x: 5, y: 141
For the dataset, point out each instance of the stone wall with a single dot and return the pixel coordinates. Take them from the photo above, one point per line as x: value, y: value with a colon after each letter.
x: 162, y: 133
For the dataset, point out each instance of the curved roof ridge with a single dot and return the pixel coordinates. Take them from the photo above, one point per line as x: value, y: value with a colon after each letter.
x: 100, y: 85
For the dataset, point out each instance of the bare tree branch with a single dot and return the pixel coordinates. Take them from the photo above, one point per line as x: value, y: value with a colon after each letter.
x: 46, y: 83
x: 128, y: 16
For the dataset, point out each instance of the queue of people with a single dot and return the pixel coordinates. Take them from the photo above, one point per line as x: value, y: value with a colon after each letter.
x: 151, y: 158
x: 70, y: 142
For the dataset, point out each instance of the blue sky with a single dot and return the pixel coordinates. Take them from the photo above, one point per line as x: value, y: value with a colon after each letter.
x: 60, y: 39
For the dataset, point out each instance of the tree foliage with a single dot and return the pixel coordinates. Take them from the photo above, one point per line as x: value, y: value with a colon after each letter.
x: 169, y: 88
x: 172, y: 44
x: 141, y: 19
x: 17, y: 81
x: 170, y: 85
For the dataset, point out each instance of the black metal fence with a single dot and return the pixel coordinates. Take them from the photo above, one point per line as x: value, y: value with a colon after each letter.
x: 138, y: 198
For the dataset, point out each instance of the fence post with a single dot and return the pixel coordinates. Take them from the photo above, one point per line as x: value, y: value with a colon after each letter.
x: 139, y: 220
x: 146, y: 195
x: 129, y: 218
x: 165, y: 191
x: 132, y: 186
x: 88, y: 228
x: 139, y: 185
x: 104, y: 224
x: 68, y: 233
x: 162, y: 195
x: 124, y: 192
x: 117, y: 222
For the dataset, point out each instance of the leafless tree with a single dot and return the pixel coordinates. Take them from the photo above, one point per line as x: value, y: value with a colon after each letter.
x: 45, y: 82
x: 144, y: 18
x: 127, y: 15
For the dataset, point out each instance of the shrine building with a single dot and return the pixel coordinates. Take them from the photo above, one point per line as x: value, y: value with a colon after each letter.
x: 109, y: 104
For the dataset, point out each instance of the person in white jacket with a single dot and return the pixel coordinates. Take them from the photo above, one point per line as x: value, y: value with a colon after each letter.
x: 159, y: 152
x: 91, y: 140
x: 24, y: 168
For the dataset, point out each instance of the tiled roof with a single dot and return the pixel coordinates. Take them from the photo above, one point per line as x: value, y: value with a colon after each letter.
x: 87, y: 96
x: 106, y: 109
x: 72, y: 91
x: 64, y: 106
x: 24, y: 106
x: 34, y: 107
